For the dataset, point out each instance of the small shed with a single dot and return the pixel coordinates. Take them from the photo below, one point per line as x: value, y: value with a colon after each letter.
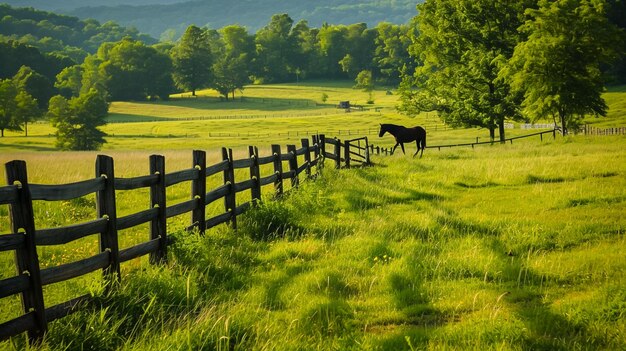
x: 344, y: 104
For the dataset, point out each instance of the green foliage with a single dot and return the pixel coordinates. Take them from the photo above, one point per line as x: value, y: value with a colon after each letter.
x: 133, y: 71
x: 192, y: 60
x: 459, y: 51
x: 35, y: 84
x: 364, y: 81
x: 558, y: 69
x: 276, y: 50
x: 59, y: 34
x: 77, y: 121
x: 8, y: 106
x: 233, y: 60
x: 69, y: 81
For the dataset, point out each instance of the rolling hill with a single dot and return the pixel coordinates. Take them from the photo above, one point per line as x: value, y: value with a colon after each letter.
x: 155, y: 17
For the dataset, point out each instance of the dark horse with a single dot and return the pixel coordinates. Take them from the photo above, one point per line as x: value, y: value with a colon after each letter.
x: 405, y: 135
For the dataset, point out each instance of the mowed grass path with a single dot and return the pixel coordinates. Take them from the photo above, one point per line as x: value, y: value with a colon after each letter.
x: 507, y: 247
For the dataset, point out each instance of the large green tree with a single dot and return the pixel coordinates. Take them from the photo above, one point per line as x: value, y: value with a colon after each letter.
x: 8, y: 106
x: 35, y: 84
x: 558, y: 69
x: 276, y: 50
x: 232, y: 67
x: 27, y: 110
x: 134, y: 71
x: 193, y: 59
x: 461, y: 47
x: 78, y: 119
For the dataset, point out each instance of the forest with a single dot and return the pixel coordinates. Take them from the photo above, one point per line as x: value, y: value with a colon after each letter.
x: 458, y: 59
x: 167, y: 18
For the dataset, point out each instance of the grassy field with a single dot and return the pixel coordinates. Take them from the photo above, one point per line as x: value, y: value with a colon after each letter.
x: 505, y: 247
x: 508, y: 247
x: 265, y: 115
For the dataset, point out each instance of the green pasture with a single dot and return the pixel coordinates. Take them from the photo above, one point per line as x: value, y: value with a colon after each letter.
x: 503, y: 247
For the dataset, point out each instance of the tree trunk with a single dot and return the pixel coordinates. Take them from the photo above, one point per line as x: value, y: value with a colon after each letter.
x: 193, y: 92
x: 2, y: 133
x: 563, y: 123
x: 492, y: 133
x: 26, y: 129
x: 501, y: 130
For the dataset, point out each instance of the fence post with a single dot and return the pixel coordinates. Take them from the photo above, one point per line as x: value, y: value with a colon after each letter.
x: 346, y: 152
x: 293, y: 165
x: 307, y: 157
x: 198, y: 190
x: 230, y: 200
x: 158, y: 226
x: 105, y: 206
x: 26, y: 259
x: 367, y: 152
x: 278, y: 170
x: 337, y: 153
x: 255, y: 174
x: 322, y: 140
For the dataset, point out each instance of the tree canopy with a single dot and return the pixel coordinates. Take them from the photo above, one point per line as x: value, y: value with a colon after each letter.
x: 558, y: 69
x: 77, y: 121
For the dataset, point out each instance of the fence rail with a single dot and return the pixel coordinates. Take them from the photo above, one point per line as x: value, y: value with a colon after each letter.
x: 387, y: 151
x: 24, y: 237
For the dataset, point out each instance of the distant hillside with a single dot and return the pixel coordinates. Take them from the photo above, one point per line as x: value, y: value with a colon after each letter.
x: 153, y: 18
x: 61, y: 34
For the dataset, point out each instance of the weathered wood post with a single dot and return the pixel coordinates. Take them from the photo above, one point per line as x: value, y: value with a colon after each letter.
x: 198, y: 190
x: 158, y: 226
x: 367, y: 152
x: 278, y: 170
x: 307, y: 157
x: 255, y: 174
x: 105, y: 207
x: 337, y: 153
x: 230, y: 200
x: 346, y: 153
x: 293, y: 165
x: 26, y: 259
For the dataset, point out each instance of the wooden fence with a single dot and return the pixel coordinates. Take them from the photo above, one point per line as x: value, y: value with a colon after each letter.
x: 25, y: 237
x: 590, y: 130
x: 376, y: 150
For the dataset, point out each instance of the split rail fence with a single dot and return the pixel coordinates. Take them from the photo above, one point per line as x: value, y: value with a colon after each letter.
x: 25, y: 237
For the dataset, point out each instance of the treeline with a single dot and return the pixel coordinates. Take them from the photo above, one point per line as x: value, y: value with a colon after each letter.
x: 61, y: 35
x: 486, y: 62
x: 475, y: 62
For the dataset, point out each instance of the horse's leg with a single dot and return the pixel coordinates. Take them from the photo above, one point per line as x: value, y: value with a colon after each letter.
x: 402, y: 146
x: 417, y: 143
x: 394, y: 148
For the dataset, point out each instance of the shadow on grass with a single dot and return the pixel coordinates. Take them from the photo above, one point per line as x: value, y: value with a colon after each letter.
x: 514, y: 280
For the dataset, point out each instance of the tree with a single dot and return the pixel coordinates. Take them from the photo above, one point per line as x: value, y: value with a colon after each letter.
x: 134, y: 71
x: 8, y: 106
x: 459, y: 51
x: 365, y: 81
x: 27, y: 110
x: 558, y: 67
x: 192, y: 59
x: 69, y: 81
x: 391, y: 57
x: 233, y: 61
x: 78, y: 119
x: 38, y: 86
x: 276, y: 50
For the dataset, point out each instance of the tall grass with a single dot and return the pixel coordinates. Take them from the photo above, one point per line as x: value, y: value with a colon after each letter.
x: 508, y: 247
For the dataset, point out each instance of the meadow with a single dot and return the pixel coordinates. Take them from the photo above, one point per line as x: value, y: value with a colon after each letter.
x: 505, y: 247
